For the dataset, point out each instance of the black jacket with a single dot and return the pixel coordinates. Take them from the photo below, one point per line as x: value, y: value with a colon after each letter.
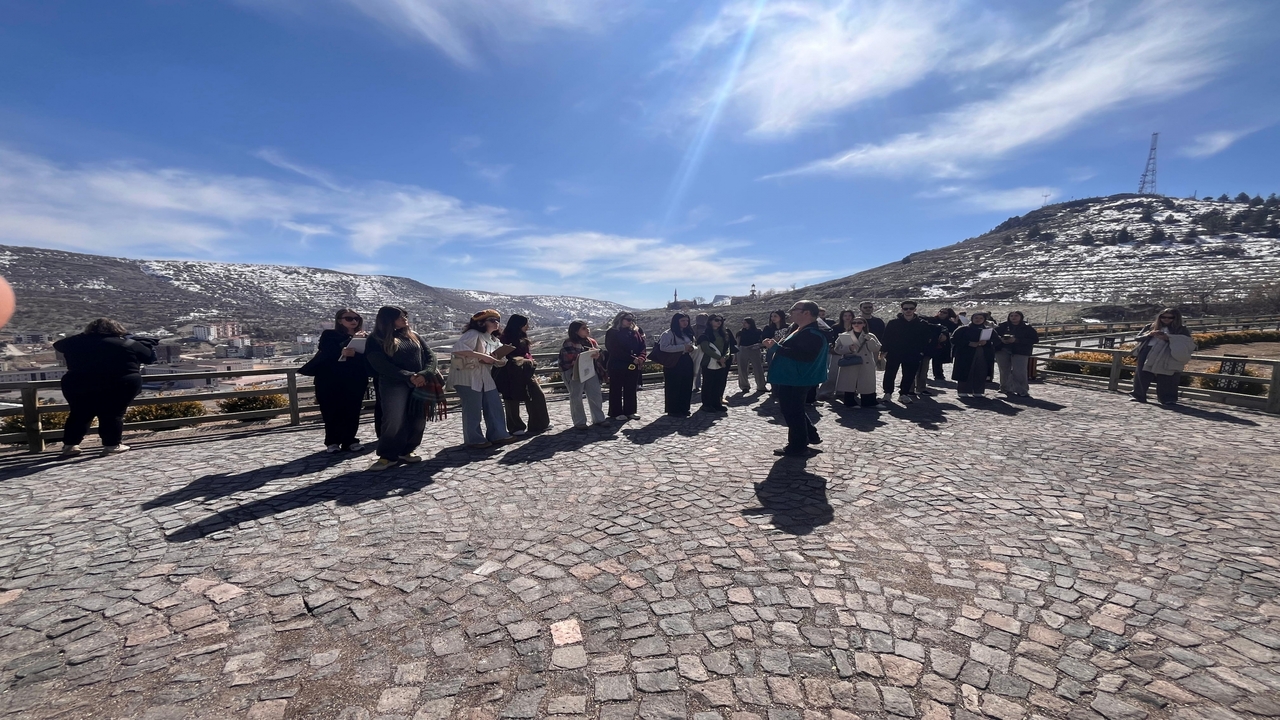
x: 1024, y: 336
x: 941, y: 347
x: 750, y: 337
x: 329, y: 350
x: 409, y: 359
x: 907, y: 339
x: 965, y: 356
x: 875, y: 326
x: 106, y: 356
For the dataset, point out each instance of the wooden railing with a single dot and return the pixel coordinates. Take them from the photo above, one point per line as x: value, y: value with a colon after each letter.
x: 35, y: 435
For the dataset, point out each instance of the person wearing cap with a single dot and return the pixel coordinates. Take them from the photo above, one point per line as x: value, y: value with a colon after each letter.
x: 518, y: 380
x: 624, y: 344
x: 471, y: 374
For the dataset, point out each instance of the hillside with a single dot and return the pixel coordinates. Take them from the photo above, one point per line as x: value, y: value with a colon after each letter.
x: 59, y: 291
x: 1119, y: 250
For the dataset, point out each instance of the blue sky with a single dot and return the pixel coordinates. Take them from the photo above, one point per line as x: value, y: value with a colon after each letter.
x: 608, y: 148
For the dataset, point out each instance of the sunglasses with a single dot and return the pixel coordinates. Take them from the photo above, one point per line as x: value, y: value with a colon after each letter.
x: 858, y: 323
x: 350, y: 318
x: 1166, y: 317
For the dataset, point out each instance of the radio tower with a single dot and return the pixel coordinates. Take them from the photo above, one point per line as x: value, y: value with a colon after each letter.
x: 1147, y: 185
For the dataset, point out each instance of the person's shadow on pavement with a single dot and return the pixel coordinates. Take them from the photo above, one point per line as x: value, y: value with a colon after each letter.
x: 795, y: 497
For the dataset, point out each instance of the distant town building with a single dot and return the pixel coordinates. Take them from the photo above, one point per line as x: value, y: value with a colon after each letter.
x: 722, y: 300
x: 207, y: 333
x: 164, y: 354
x: 51, y: 372
x: 35, y: 338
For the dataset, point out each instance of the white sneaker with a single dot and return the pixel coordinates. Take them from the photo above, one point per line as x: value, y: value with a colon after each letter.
x: 114, y: 449
x: 333, y: 448
x: 355, y: 447
x: 71, y: 450
x: 635, y: 417
x: 621, y: 418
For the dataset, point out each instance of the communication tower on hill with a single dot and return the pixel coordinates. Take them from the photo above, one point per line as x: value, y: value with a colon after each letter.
x: 1147, y: 185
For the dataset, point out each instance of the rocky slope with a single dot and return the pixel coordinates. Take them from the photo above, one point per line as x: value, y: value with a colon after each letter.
x: 1122, y: 249
x: 59, y: 291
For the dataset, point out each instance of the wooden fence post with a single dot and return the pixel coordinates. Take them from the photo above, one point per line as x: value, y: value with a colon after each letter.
x: 31, y: 419
x: 1273, y: 394
x: 294, y: 416
x: 1117, y: 364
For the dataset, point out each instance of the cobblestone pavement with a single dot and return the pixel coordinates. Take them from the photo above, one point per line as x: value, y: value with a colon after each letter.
x: 1070, y: 556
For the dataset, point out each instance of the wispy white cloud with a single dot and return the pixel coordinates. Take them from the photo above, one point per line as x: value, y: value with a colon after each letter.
x: 741, y: 220
x: 1212, y: 143
x: 460, y: 28
x: 1159, y: 50
x: 597, y: 258
x: 131, y: 207
x: 810, y: 58
x: 1019, y: 199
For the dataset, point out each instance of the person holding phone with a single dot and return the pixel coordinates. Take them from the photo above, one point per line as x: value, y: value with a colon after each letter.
x: 1014, y: 358
x: 974, y: 347
x: 624, y: 342
x: 677, y: 388
x: 582, y: 369
x: 473, y: 358
x: 104, y: 375
x: 518, y: 381
x: 1164, y: 348
x: 341, y: 381
x: 402, y: 362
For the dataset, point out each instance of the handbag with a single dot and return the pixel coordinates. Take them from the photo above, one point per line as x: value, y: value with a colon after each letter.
x: 849, y: 360
x: 666, y: 359
x: 430, y: 399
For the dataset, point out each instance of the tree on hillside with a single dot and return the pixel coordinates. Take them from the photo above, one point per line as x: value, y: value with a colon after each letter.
x: 1242, y: 198
x: 1170, y: 219
x: 1157, y: 236
x: 1256, y: 201
x: 1124, y: 236
x: 1223, y: 198
x: 1086, y: 239
x: 1146, y: 215
x: 1272, y: 201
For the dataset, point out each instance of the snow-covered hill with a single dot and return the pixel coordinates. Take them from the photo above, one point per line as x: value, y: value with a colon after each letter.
x: 58, y: 291
x: 1124, y: 249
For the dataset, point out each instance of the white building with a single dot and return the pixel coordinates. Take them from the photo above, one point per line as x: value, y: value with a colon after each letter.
x: 207, y: 333
x: 51, y: 372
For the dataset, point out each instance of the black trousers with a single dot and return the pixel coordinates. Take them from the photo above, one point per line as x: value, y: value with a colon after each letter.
x: 106, y: 398
x: 938, y: 362
x: 909, y: 365
x: 677, y: 388
x: 622, y: 390
x: 868, y: 400
x: 536, y: 406
x: 1166, y: 386
x: 713, y: 385
x: 340, y: 401
x: 800, y: 430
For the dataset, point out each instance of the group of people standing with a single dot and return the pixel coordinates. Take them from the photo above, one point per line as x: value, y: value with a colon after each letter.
x: 802, y: 356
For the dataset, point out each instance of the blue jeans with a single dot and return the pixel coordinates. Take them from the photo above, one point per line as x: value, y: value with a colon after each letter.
x: 401, y: 429
x: 486, y: 404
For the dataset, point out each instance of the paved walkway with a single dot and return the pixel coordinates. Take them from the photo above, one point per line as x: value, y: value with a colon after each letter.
x: 1072, y: 556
